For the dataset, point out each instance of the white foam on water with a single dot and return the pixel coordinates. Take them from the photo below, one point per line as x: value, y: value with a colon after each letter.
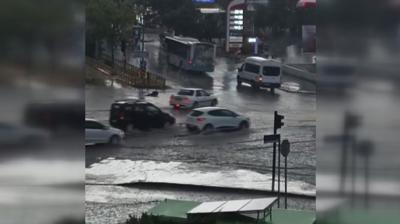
x: 113, y: 171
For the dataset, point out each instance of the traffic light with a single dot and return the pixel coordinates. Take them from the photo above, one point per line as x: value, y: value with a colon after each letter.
x: 278, y: 120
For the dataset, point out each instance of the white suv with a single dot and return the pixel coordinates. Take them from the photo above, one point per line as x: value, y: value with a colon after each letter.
x: 96, y: 132
x: 192, y: 98
x: 260, y: 72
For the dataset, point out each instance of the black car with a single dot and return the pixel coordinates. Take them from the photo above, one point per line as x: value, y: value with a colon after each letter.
x: 129, y: 114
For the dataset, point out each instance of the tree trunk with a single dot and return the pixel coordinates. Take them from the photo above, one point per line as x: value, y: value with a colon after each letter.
x: 112, y: 53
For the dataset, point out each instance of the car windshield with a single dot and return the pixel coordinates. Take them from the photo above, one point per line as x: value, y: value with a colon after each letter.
x: 196, y: 113
x: 185, y: 92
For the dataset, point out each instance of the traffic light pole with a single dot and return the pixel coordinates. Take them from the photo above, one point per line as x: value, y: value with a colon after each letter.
x: 285, y: 182
x: 273, y: 164
x: 279, y: 172
x: 142, y: 61
x: 277, y: 125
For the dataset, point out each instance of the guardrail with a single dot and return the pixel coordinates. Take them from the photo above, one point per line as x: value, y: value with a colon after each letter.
x: 127, y: 73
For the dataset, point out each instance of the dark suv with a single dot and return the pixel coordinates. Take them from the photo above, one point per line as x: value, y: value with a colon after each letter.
x: 129, y: 114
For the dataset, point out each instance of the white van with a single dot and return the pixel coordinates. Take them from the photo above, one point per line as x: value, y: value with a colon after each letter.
x: 260, y: 72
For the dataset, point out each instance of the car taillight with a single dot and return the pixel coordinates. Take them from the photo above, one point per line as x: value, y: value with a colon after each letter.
x: 200, y: 119
x: 121, y: 116
x: 171, y: 97
x: 259, y: 79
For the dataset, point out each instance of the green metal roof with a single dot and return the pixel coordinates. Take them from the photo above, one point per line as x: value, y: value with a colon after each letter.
x: 177, y: 209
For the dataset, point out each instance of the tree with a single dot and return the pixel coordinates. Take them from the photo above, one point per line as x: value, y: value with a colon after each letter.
x: 275, y: 20
x: 110, y: 20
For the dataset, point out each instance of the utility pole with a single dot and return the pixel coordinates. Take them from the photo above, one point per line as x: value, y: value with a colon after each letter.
x: 142, y: 61
x: 285, y: 152
x: 279, y: 173
x: 246, y: 24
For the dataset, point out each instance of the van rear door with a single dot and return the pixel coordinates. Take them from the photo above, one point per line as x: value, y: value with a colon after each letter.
x: 271, y: 74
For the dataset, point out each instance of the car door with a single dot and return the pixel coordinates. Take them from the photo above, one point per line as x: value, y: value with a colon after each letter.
x: 206, y: 98
x: 200, y: 98
x: 154, y: 116
x: 218, y: 119
x: 251, y: 71
x: 271, y: 74
x: 139, y: 116
x: 95, y: 132
x: 230, y: 119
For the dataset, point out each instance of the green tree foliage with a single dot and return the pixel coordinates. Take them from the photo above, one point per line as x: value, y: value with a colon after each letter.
x: 277, y: 15
x: 110, y: 20
x: 183, y: 17
x: 179, y: 15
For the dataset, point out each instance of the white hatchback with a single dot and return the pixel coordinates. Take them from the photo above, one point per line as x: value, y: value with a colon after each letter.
x: 96, y: 133
x: 192, y: 98
x: 215, y: 118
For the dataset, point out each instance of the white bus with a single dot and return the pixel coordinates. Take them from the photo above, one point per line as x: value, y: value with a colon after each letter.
x: 189, y: 53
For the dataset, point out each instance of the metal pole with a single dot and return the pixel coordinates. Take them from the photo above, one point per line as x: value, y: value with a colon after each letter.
x: 274, y: 157
x: 142, y: 67
x: 245, y: 26
x: 273, y: 164
x: 285, y: 182
x: 279, y: 171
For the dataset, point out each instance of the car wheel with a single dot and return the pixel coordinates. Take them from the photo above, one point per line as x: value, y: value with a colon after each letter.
x: 214, y: 103
x: 272, y: 90
x: 244, y: 125
x: 195, y: 105
x: 208, y: 128
x: 169, y: 123
x: 115, y: 140
x: 191, y: 129
x: 239, y: 83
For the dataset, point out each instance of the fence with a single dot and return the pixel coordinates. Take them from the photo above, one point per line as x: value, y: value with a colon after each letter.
x: 128, y: 74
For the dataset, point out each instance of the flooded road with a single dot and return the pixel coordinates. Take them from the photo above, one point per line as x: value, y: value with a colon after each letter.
x: 237, y: 159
